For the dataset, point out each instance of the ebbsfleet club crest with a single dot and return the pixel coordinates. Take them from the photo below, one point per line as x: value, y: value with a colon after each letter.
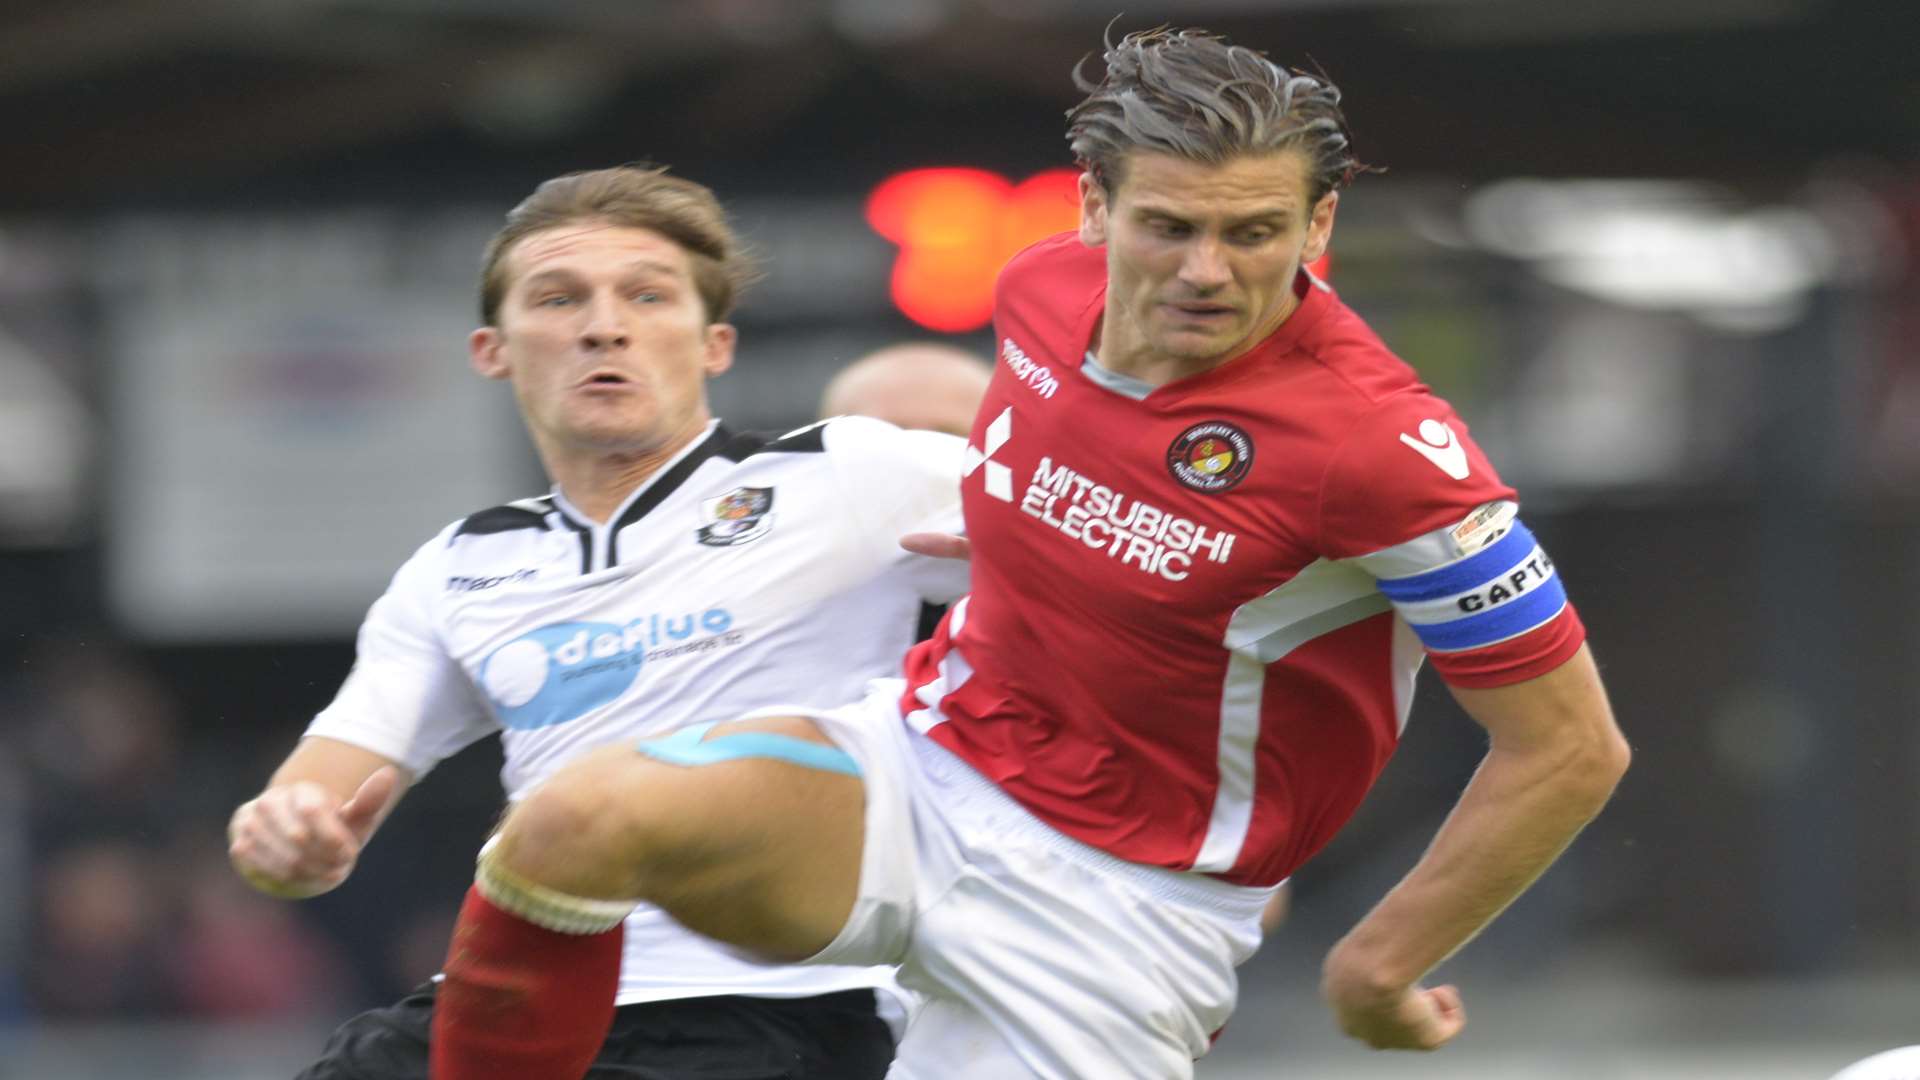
x: 741, y: 515
x: 1210, y: 457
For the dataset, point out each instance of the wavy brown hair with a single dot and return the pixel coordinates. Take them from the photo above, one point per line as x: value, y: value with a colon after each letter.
x: 1191, y: 94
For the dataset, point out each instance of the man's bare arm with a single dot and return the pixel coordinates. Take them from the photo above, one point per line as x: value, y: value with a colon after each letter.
x: 302, y: 835
x: 1555, y: 756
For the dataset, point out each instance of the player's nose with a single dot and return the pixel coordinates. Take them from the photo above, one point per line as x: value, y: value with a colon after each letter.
x: 601, y: 326
x: 1205, y: 267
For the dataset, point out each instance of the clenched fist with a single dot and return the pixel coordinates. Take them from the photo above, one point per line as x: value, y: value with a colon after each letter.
x: 299, y: 840
x: 1411, y: 1018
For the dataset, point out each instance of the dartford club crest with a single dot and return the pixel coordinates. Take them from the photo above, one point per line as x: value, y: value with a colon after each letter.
x: 739, y: 516
x: 1210, y: 457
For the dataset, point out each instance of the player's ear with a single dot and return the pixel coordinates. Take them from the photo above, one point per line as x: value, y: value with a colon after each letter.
x: 485, y: 353
x: 1320, y: 227
x: 1093, y: 210
x: 720, y: 338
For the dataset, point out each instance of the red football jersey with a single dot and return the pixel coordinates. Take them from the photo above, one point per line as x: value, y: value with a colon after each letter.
x: 1198, y: 609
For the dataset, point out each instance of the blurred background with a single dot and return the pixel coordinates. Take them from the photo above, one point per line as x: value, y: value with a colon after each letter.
x: 1659, y: 253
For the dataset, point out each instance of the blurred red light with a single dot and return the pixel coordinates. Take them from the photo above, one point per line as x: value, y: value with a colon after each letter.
x: 956, y: 228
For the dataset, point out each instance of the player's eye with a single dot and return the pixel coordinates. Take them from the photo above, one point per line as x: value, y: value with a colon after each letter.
x: 647, y: 296
x: 1253, y: 236
x: 1171, y: 229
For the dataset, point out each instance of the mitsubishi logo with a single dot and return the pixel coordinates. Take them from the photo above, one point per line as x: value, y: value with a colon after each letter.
x: 999, y: 478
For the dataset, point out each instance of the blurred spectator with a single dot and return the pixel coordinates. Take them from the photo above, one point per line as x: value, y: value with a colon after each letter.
x: 100, y: 948
x: 239, y: 955
x: 98, y: 750
x: 101, y: 743
x: 920, y: 384
x: 418, y: 946
x: 131, y: 914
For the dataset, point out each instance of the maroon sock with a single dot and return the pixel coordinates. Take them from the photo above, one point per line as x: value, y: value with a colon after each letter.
x: 521, y: 1002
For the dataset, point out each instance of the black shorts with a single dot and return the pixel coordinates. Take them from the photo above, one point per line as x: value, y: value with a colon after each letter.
x: 837, y: 1036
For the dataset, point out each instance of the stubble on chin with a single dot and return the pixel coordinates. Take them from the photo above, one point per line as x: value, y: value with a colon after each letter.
x: 607, y: 428
x: 1190, y: 348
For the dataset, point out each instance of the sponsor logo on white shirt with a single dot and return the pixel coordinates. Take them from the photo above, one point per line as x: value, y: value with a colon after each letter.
x: 562, y: 671
x: 462, y: 583
x: 1438, y: 444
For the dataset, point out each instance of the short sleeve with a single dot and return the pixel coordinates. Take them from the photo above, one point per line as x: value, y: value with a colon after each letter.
x: 1405, y: 468
x: 406, y: 698
x: 1409, y: 498
x: 898, y: 482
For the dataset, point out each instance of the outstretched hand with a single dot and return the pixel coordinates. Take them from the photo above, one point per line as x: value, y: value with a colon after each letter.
x: 938, y: 545
x: 297, y: 840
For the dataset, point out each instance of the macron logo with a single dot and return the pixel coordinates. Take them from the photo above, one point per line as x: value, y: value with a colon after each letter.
x: 1438, y: 444
x: 1035, y: 377
x: 998, y: 478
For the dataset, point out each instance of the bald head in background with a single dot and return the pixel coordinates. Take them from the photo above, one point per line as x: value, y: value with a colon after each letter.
x: 923, y: 385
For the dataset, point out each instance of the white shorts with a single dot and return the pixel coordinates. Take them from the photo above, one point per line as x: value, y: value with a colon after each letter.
x: 1039, y: 956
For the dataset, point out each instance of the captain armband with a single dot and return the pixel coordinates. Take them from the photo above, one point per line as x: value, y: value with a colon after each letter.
x: 1504, y: 588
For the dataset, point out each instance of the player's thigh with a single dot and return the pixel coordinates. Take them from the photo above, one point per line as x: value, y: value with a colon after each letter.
x: 769, y: 849
x: 761, y: 852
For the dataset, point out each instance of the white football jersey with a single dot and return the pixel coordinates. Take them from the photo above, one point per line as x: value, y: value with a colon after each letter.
x: 745, y: 573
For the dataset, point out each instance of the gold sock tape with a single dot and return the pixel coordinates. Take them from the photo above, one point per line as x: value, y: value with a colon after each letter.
x: 560, y: 912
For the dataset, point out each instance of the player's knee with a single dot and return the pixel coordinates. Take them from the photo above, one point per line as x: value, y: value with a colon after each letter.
x: 589, y: 830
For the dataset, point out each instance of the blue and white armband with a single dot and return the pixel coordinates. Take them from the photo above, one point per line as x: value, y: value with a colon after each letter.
x: 1469, y: 600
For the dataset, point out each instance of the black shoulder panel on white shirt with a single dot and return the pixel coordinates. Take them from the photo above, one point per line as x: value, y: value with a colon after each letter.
x: 526, y: 514
x: 807, y: 440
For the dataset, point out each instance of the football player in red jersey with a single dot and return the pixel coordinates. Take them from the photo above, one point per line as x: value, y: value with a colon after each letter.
x: 1216, y: 528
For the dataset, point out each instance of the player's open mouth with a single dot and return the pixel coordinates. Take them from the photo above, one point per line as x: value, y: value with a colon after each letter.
x: 599, y: 379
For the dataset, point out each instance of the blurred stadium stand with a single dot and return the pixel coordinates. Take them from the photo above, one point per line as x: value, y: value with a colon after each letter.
x: 1659, y: 253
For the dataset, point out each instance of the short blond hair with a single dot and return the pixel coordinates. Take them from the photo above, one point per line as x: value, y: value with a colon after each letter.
x: 633, y: 196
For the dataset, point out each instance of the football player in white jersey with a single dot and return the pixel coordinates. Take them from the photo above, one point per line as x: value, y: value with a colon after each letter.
x: 678, y: 572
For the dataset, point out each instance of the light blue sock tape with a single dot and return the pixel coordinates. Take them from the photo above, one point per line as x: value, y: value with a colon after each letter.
x: 689, y: 746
